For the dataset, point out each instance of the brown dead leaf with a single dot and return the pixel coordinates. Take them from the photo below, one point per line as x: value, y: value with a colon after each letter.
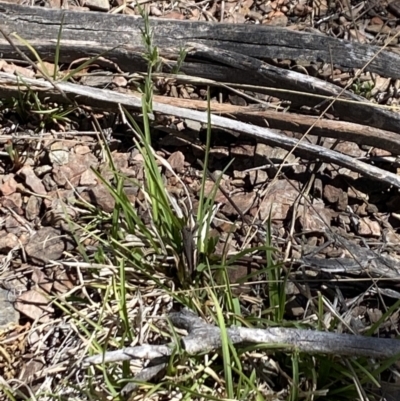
x: 17, y: 70
x: 46, y: 67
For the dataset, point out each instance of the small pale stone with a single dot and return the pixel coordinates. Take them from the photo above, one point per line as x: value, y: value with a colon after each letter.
x: 97, y: 5
x: 243, y: 201
x: 47, y: 244
x: 88, y: 178
x: 82, y: 149
x: 32, y: 180
x: 8, y: 242
x: 101, y: 197
x: 120, y: 81
x: 258, y: 177
x: 33, y: 208
x: 34, y: 305
x: 8, y: 315
x: 59, y: 154
x: 9, y: 186
x: 369, y: 227
x: 42, y: 170
x: 177, y: 161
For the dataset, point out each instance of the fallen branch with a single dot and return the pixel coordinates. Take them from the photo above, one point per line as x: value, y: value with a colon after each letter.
x: 87, y: 34
x: 346, y: 131
x: 301, y: 89
x: 203, y: 337
x: 104, y: 99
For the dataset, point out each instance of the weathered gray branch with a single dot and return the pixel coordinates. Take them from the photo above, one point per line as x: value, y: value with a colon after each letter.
x: 103, y: 99
x: 85, y: 34
x: 203, y: 337
x: 346, y: 131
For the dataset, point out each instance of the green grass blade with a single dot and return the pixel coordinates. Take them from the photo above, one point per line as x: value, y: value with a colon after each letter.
x: 58, y: 48
x: 226, y: 355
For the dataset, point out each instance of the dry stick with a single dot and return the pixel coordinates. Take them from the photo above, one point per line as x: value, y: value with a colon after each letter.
x: 203, y: 337
x: 108, y: 100
x: 357, y: 133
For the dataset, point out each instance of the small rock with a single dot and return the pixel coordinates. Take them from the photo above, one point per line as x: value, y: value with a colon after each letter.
x: 354, y: 193
x: 59, y: 154
x: 33, y: 208
x: 174, y: 15
x: 318, y: 190
x: 368, y: 227
x: 32, y: 180
x: 390, y: 237
x: 155, y: 11
x: 336, y: 196
x: 314, y: 219
x: 120, y: 160
x: 192, y: 125
x: 382, y: 85
x: 96, y: 81
x: 82, y: 149
x: 277, y: 20
x: 375, y: 152
x: 209, y: 189
x: 265, y: 152
x: 62, y: 281
x: 59, y: 209
x: 238, y: 183
x: 49, y: 183
x: 294, y: 308
x: 9, y: 185
x: 69, y: 174
x: 374, y: 315
x: 12, y: 225
x: 381, y: 29
x: 8, y: 242
x: 244, y: 201
x: 238, y: 174
x: 219, y: 152
x: 34, y: 305
x: 177, y: 161
x: 97, y: 5
x: 14, y: 202
x: 120, y: 81
x: 29, y: 373
x: 258, y: 177
x: 8, y: 315
x: 242, y: 151
x: 280, y: 198
x: 100, y: 196
x: 237, y: 100
x: 41, y: 280
x: 349, y: 148
x: 376, y: 21
x: 47, y: 244
x: 88, y: 178
x: 42, y: 170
